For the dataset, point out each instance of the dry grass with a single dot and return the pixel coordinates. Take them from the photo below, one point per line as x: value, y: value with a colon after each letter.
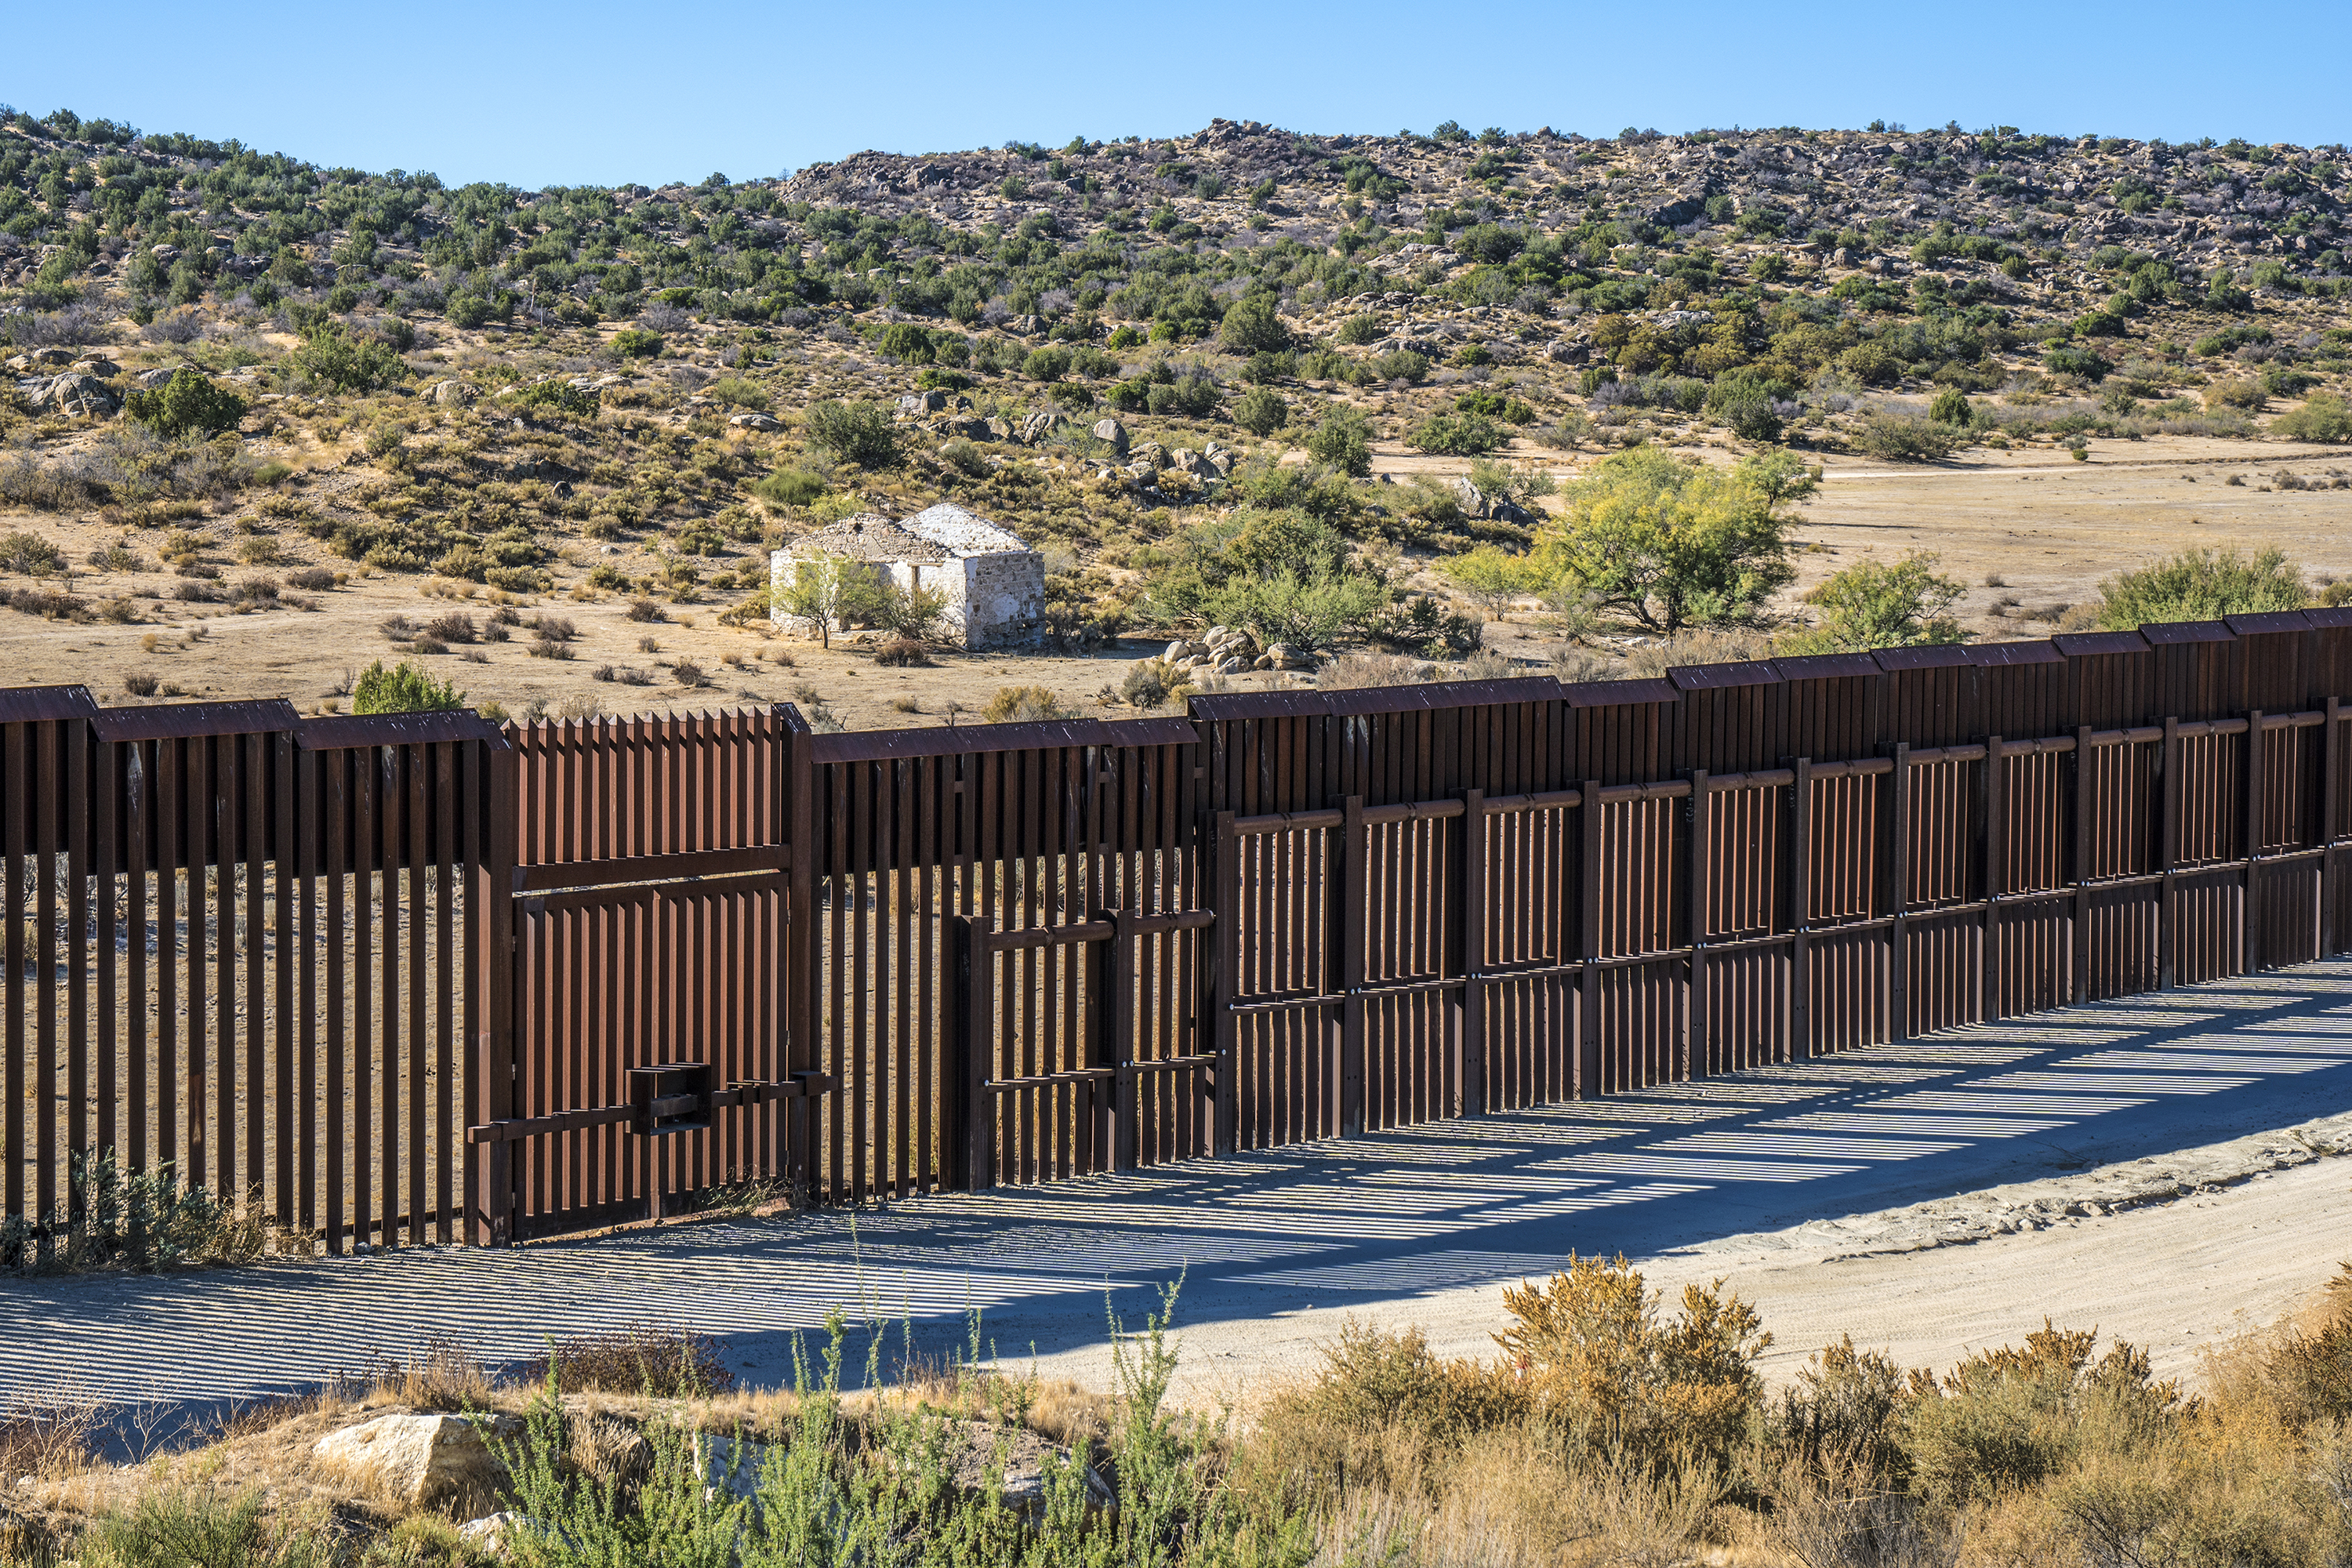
x: 1600, y: 1436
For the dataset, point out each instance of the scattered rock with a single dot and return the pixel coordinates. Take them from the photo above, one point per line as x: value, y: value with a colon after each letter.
x: 927, y: 402
x: 424, y: 1460
x: 76, y: 396
x: 450, y: 394
x: 1112, y: 433
x: 97, y: 366
x: 760, y: 422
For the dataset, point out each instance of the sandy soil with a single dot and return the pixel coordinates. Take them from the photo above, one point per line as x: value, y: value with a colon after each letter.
x: 2176, y: 1255
x: 2028, y: 526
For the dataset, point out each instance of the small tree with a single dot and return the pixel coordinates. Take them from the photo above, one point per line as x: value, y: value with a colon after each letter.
x: 2201, y: 585
x: 2322, y: 417
x: 402, y: 688
x: 1343, y: 440
x: 190, y: 404
x: 1458, y: 435
x: 826, y: 593
x: 1492, y: 576
x: 1251, y: 327
x: 912, y: 614
x: 1262, y: 411
x: 1668, y: 543
x: 856, y: 433
x: 1872, y: 604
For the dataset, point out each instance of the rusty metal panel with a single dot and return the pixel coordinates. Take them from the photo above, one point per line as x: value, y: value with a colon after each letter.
x: 191, y: 721
x: 1618, y: 693
x: 46, y: 704
x: 1718, y: 676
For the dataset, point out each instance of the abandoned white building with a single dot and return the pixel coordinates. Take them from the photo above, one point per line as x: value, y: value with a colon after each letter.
x: 994, y: 584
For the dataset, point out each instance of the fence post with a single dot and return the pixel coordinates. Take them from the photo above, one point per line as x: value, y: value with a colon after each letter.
x: 1468, y: 942
x: 1697, y: 1061
x: 1588, y: 938
x: 1223, y: 947
x: 500, y: 965
x: 2329, y: 783
x: 797, y: 1126
x: 2167, y: 938
x: 1118, y: 969
x: 974, y: 964
x: 2249, y: 926
x: 2083, y: 779
x: 1897, y: 894
x: 1347, y: 941
x: 1800, y: 910
x: 1994, y: 793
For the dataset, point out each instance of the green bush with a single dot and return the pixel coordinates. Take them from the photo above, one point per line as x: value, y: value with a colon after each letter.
x: 333, y: 356
x: 1359, y: 330
x: 2245, y: 395
x: 857, y: 433
x: 2065, y: 359
x: 1897, y: 438
x: 2201, y: 585
x: 1262, y: 411
x: 790, y: 486
x: 2322, y: 417
x: 934, y: 379
x: 1951, y: 407
x: 1457, y: 434
x: 1051, y: 363
x: 1251, y: 327
x: 1342, y: 440
x: 190, y: 404
x: 907, y: 342
x: 634, y: 342
x: 30, y: 554
x: 1402, y: 365
x: 1872, y: 604
x: 402, y: 688
x: 738, y: 392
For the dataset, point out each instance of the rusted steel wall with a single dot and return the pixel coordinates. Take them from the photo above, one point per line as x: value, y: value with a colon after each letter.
x: 392, y: 976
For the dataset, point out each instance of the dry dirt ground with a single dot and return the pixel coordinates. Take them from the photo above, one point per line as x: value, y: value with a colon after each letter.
x: 2030, y: 531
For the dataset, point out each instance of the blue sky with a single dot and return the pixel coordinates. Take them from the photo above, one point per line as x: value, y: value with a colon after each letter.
x: 596, y: 93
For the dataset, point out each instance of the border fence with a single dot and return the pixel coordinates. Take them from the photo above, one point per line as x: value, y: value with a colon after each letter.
x: 420, y: 978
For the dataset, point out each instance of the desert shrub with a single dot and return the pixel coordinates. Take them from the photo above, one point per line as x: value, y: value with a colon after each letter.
x: 790, y: 486
x: 2201, y: 585
x: 902, y: 653
x: 1646, y: 1393
x: 644, y: 1358
x: 1367, y: 667
x: 2010, y: 1418
x: 1872, y: 604
x: 1491, y: 576
x: 1342, y: 440
x: 30, y: 554
x: 908, y: 615
x: 1425, y: 629
x: 1404, y: 365
x: 141, y: 683
x: 1844, y: 1411
x: 1025, y: 705
x: 402, y: 688
x: 2322, y: 417
x: 333, y: 356
x: 2311, y: 1369
x: 1667, y: 544
x: 634, y: 342
x: 1458, y: 435
x: 1897, y: 438
x: 2241, y: 394
x: 310, y: 579
x: 1359, y: 330
x: 858, y: 433
x: 1149, y: 682
x: 189, y: 404
x: 2066, y: 359
x: 142, y: 1221
x: 1251, y: 326
x: 1262, y: 411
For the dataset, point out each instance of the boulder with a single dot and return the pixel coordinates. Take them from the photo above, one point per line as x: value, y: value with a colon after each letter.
x: 1013, y: 1458
x: 76, y: 396
x: 52, y: 356
x: 98, y: 365
x: 1153, y: 455
x: 450, y: 394
x: 422, y: 1460
x: 1113, y: 433
x: 760, y: 422
x: 489, y: 1532
x: 149, y: 380
x: 925, y: 402
x: 164, y: 253
x: 999, y: 429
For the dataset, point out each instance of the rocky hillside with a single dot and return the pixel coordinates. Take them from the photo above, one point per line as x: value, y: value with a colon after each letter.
x: 633, y: 390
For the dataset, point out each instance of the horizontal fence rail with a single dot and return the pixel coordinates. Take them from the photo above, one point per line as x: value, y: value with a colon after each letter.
x: 417, y: 978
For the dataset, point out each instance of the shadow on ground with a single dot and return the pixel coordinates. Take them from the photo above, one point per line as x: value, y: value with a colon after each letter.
x: 1360, y: 1221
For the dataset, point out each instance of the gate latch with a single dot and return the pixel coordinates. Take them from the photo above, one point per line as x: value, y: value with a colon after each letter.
x: 674, y: 1097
